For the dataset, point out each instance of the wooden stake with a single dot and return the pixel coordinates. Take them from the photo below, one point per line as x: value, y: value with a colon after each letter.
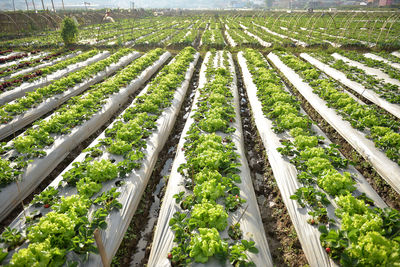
x: 241, y: 215
x: 22, y: 202
x: 101, y: 248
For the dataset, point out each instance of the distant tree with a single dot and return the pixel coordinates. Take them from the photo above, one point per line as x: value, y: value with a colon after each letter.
x: 69, y: 31
x: 268, y: 3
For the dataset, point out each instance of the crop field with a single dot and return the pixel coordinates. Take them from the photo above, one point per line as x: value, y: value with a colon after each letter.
x: 201, y: 138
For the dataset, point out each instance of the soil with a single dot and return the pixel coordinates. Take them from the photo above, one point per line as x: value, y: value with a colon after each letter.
x: 282, y: 239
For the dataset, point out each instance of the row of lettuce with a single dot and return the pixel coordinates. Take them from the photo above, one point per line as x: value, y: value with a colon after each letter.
x: 367, y: 235
x: 210, y: 176
x: 16, y: 81
x: 388, y: 91
x: 374, y: 63
x: 32, y: 99
x: 381, y: 128
x: 212, y: 35
x: 13, y: 57
x: 69, y: 226
x: 23, y: 64
x: 33, y: 142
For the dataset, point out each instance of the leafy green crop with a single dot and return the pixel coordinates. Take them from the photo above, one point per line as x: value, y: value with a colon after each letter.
x: 70, y: 226
x: 211, y: 171
x: 72, y: 114
x: 366, y: 236
x: 207, y: 243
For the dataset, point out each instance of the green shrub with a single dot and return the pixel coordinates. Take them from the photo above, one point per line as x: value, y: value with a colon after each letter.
x: 69, y: 31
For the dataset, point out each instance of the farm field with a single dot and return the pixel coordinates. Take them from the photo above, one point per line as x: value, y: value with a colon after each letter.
x: 217, y: 138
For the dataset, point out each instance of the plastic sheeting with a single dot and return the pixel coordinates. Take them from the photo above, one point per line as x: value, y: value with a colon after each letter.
x: 376, y: 57
x: 396, y: 53
x: 298, y: 42
x: 388, y: 169
x: 261, y: 41
x: 341, y: 77
x: 27, y: 58
x: 229, y: 38
x: 31, y: 86
x: 332, y: 43
x: 36, y: 171
x: 368, y: 70
x: 250, y: 224
x: 24, y: 71
x: 286, y: 176
x: 53, y: 102
x: 6, y: 64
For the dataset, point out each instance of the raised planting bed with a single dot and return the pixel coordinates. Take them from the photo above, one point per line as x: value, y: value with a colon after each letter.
x: 209, y: 213
x: 36, y: 152
x: 23, y: 111
x: 309, y: 169
x: 103, y: 186
x: 393, y: 109
x: 348, y: 122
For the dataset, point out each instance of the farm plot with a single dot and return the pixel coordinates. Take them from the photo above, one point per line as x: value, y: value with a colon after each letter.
x: 22, y: 111
x: 312, y: 175
x: 209, y: 190
x: 355, y: 121
x: 35, y: 153
x: 278, y: 156
x: 365, y: 86
x: 81, y: 201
